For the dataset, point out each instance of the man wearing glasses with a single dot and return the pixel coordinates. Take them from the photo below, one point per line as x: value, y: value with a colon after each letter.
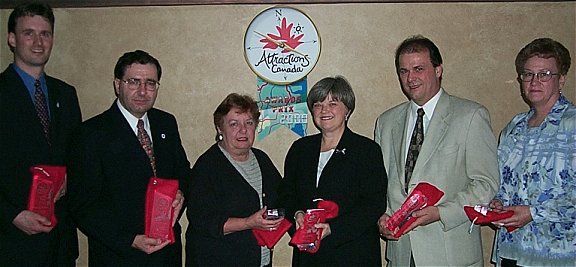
x: 119, y: 150
x: 38, y: 117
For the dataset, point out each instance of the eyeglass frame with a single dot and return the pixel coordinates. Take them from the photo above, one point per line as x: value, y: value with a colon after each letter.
x: 139, y: 82
x: 541, y: 74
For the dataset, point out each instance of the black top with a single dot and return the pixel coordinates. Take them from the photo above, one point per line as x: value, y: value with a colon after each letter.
x: 218, y: 192
x: 356, y: 180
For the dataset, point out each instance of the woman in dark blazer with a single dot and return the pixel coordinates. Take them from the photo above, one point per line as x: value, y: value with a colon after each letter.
x: 232, y: 186
x: 338, y: 165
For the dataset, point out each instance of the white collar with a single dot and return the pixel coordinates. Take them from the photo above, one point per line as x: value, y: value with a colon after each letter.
x: 428, y: 107
x: 132, y: 120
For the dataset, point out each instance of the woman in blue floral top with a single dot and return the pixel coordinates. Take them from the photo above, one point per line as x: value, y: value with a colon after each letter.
x: 537, y: 157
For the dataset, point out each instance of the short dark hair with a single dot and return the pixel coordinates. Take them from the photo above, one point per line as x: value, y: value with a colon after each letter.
x: 30, y: 9
x: 130, y: 58
x: 417, y: 44
x: 338, y: 87
x: 544, y: 48
x: 244, y: 103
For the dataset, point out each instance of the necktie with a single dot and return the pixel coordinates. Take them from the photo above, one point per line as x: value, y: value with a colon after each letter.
x: 41, y: 108
x: 414, y: 148
x: 146, y: 143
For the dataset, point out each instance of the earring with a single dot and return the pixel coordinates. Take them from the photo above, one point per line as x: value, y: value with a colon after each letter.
x: 219, y: 137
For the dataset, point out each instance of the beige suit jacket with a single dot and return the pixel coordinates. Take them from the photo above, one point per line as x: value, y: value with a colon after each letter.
x: 459, y: 157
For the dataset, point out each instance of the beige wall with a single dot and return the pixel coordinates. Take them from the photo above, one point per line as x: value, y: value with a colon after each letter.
x: 200, y: 49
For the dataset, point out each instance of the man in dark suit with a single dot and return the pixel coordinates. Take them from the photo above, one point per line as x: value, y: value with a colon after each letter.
x: 26, y: 140
x: 112, y: 167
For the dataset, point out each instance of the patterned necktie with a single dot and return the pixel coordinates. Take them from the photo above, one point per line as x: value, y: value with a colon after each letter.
x: 415, y: 145
x: 42, y: 109
x: 146, y: 143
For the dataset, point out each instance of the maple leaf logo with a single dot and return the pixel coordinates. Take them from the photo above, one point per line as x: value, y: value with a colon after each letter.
x: 283, y: 39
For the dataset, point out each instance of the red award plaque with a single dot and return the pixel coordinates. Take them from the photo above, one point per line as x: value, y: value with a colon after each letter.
x: 46, y: 183
x: 159, y: 211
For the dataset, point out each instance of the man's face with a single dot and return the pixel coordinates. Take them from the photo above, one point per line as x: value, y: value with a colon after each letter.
x: 137, y: 99
x: 32, y: 42
x: 420, y: 80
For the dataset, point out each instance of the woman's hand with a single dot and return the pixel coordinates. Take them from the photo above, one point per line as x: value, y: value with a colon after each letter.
x: 521, y: 217
x: 254, y: 221
x: 496, y: 205
x: 299, y: 218
x: 257, y: 221
x: 326, y: 229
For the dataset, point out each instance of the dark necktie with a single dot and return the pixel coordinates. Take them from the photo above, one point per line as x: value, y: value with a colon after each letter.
x: 42, y: 109
x: 146, y: 143
x: 414, y: 148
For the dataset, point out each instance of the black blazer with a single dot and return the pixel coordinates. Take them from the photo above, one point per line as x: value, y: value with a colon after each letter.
x: 217, y: 192
x: 110, y: 174
x: 355, y: 179
x: 22, y: 145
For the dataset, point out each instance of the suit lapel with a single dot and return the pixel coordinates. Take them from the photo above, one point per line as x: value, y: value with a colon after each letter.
x: 55, y: 115
x: 22, y: 97
x: 125, y: 138
x: 335, y: 163
x: 311, y: 163
x: 435, y: 133
x: 159, y: 136
x: 398, y: 140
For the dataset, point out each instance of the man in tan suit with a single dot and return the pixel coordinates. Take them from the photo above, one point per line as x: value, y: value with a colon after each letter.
x: 458, y: 155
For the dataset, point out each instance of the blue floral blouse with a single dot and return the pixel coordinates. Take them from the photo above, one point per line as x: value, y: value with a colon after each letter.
x: 537, y: 168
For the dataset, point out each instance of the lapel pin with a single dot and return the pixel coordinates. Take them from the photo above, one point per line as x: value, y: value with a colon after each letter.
x: 342, y: 151
x: 163, y: 136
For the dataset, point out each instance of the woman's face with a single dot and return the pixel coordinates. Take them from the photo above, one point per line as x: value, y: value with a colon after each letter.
x: 329, y: 115
x: 537, y: 92
x: 238, y: 130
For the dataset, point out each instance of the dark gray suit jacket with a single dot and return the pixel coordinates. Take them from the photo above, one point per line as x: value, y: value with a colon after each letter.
x: 108, y: 181
x: 22, y: 145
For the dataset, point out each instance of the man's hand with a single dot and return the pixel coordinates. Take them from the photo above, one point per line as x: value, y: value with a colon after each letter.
x: 148, y: 245
x: 62, y: 190
x: 424, y: 216
x: 383, y: 229
x: 177, y: 204
x: 32, y: 223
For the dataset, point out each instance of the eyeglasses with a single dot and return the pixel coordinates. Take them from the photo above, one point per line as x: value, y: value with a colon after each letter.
x: 134, y: 84
x: 542, y: 76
